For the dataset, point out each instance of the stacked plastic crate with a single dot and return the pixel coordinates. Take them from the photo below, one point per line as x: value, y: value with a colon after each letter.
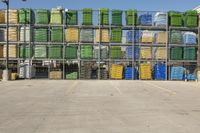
x: 116, y: 35
x: 104, y: 16
x: 26, y: 51
x: 55, y: 52
x: 71, y: 17
x: 146, y: 19
x: 72, y: 35
x: 86, y: 35
x: 130, y: 73
x: 71, y: 71
x: 87, y: 16
x: 115, y: 52
x: 116, y: 71
x: 177, y: 73
x: 145, y: 71
x: 159, y: 71
x: 71, y: 52
x: 175, y: 18
x: 56, y: 16
x: 131, y: 17
x: 86, y: 51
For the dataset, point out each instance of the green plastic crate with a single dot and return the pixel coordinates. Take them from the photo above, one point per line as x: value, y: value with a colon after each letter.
x: 40, y: 35
x: 191, y: 18
x: 87, y: 16
x: 42, y: 16
x: 104, y: 16
x: 116, y: 17
x: 71, y: 52
x: 25, y: 50
x: 176, y: 53
x: 55, y: 52
x: 116, y: 36
x: 115, y: 52
x: 57, y: 34
x: 86, y: 51
x: 72, y: 17
x: 175, y: 19
x: 72, y: 75
x: 131, y: 17
x: 189, y: 53
x: 56, y: 16
x: 176, y: 37
x: 25, y: 16
x: 40, y: 51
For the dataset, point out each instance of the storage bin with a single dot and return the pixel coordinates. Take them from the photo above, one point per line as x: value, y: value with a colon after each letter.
x: 104, y: 16
x: 56, y: 16
x: 40, y: 51
x: 72, y: 17
x: 25, y: 34
x: 116, y: 35
x: 137, y: 36
x: 13, y: 34
x: 57, y: 34
x: 12, y: 53
x: 42, y: 16
x: 146, y: 19
x: 103, y: 52
x: 13, y: 16
x: 176, y: 37
x: 55, y: 52
x: 71, y: 71
x: 131, y: 17
x: 116, y: 17
x: 2, y: 17
x: 25, y: 16
x: 191, y: 18
x: 72, y: 35
x: 72, y: 75
x: 190, y: 38
x: 86, y: 70
x: 115, y: 52
x: 71, y: 52
x: 25, y: 51
x: 161, y: 37
x: 176, y: 53
x: 130, y: 52
x: 160, y: 19
x: 177, y: 73
x: 116, y: 71
x: 175, y: 18
x: 40, y: 35
x: 189, y: 53
x: 87, y: 16
x: 159, y: 53
x: 159, y: 71
x: 145, y: 53
x: 147, y: 36
x: 130, y: 73
x: 105, y: 37
x: 87, y: 35
x: 86, y: 51
x: 145, y: 71
x: 55, y: 75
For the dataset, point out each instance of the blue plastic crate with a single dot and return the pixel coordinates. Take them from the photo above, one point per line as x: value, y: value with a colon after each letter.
x: 190, y: 38
x: 177, y: 73
x: 191, y: 77
x: 130, y: 73
x: 160, y: 19
x: 145, y: 19
x: 159, y: 72
x: 129, y: 52
x: 129, y: 36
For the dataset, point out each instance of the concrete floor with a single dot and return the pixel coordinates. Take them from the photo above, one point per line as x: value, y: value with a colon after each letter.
x: 47, y: 106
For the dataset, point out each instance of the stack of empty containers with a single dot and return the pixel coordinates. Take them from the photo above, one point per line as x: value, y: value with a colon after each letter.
x: 177, y: 73
x: 116, y: 71
x: 130, y: 37
x: 131, y: 17
x: 103, y: 52
x: 71, y: 52
x: 159, y: 71
x: 103, y: 34
x: 115, y: 52
x: 87, y: 35
x: 86, y: 70
x: 72, y: 35
x: 71, y: 71
x: 145, y: 71
x: 41, y: 35
x: 117, y: 17
x: 160, y: 19
x: 25, y: 16
x: 146, y: 19
x: 130, y: 73
x: 42, y: 16
x: 2, y: 17
x: 55, y: 52
x: 56, y: 16
x: 86, y: 51
x: 55, y: 75
x: 87, y: 16
x: 56, y: 34
x: 191, y: 18
x: 26, y: 51
x: 132, y: 52
x: 175, y: 18
x: 145, y: 53
x: 72, y: 17
x: 104, y: 16
x: 116, y: 35
x: 13, y: 16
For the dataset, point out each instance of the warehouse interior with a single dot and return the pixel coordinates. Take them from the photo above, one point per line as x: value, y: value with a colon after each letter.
x: 100, y: 44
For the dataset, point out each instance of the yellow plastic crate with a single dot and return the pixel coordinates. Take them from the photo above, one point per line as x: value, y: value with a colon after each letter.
x: 72, y: 35
x: 116, y: 71
x: 160, y: 53
x: 12, y: 51
x: 161, y: 38
x: 147, y: 36
x: 12, y: 34
x: 1, y: 51
x: 104, y: 34
x: 13, y: 76
x: 55, y: 75
x: 2, y: 17
x: 145, y: 71
x: 145, y: 53
x: 13, y: 16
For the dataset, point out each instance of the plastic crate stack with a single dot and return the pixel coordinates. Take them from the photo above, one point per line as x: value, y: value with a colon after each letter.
x: 176, y: 37
x: 176, y: 53
x: 130, y: 36
x: 145, y: 53
x: 86, y: 70
x: 159, y: 53
x: 86, y: 51
x: 130, y: 73
x: 71, y: 17
x: 146, y: 19
x: 115, y: 52
x: 87, y: 35
x: 87, y: 16
x: 103, y: 52
x: 12, y: 52
x: 26, y: 51
x: 189, y: 53
x: 55, y: 52
x: 116, y: 35
x: 191, y: 18
x: 104, y: 16
x: 130, y: 52
x: 42, y: 16
x: 12, y: 35
x: 41, y: 35
x: 55, y: 75
x: 40, y: 51
x: 71, y: 71
x: 147, y: 36
x: 177, y: 73
x: 25, y: 34
x: 160, y: 19
x: 117, y: 17
x: 71, y: 52
x: 72, y: 35
x: 13, y: 16
x: 116, y: 71
x: 191, y: 77
x: 161, y: 37
x: 56, y: 16
x: 190, y: 38
x: 25, y: 16
x: 56, y: 34
x: 131, y: 17
x: 2, y: 17
x: 145, y: 71
x: 159, y: 71
x: 175, y: 18
x: 105, y: 37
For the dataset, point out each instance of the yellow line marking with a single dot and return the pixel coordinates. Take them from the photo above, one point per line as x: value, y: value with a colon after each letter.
x: 162, y: 88
x: 117, y: 88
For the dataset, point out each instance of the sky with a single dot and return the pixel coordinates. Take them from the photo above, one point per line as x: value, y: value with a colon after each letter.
x: 143, y: 5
